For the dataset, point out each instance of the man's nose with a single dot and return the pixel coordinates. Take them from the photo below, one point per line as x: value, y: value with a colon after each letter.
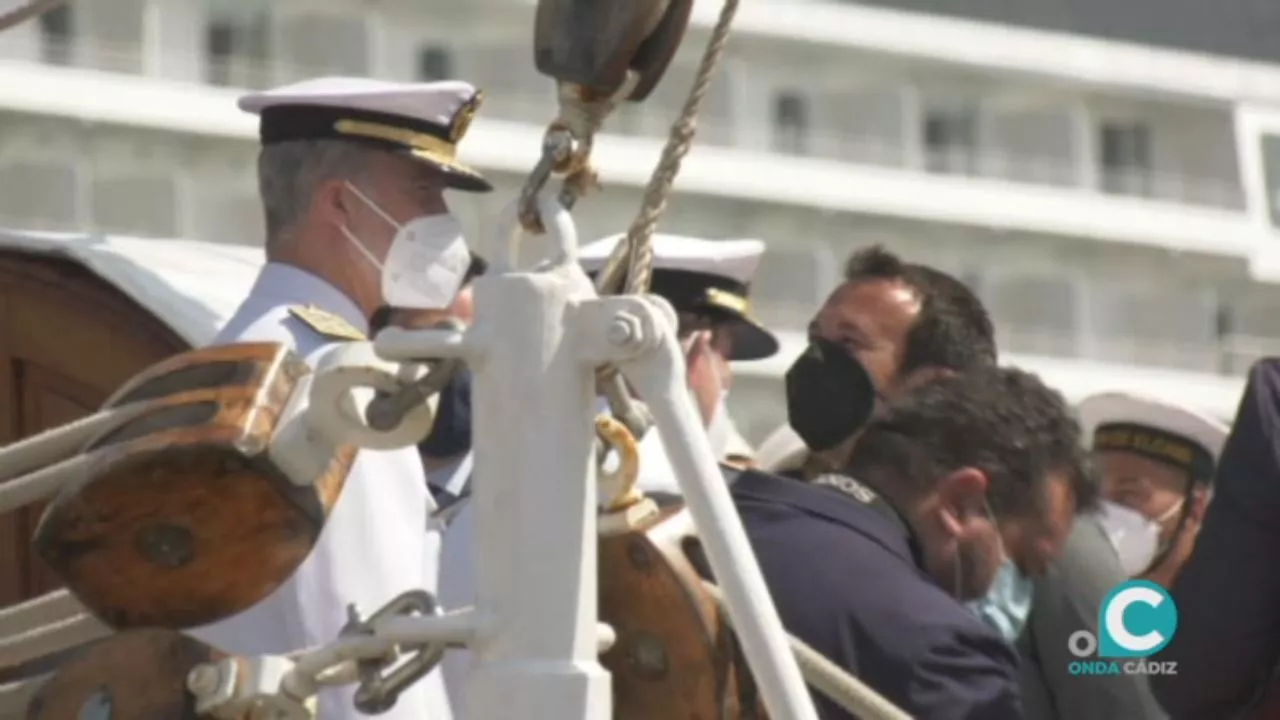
x: 1129, y: 489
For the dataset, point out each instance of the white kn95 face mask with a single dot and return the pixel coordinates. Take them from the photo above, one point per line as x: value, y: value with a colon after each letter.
x: 426, y: 263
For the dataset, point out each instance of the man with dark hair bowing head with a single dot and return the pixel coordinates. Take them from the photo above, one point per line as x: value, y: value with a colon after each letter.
x: 871, y: 566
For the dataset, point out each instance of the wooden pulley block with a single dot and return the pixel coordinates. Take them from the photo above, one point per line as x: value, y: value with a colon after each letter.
x: 189, y: 510
x: 674, y: 656
x: 593, y: 43
x: 135, y: 675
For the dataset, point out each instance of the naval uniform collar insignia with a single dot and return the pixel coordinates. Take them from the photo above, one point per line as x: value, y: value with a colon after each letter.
x: 852, y: 488
x: 326, y: 323
x: 848, y: 486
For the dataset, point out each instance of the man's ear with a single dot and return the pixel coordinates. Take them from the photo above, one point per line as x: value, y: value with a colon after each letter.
x: 1201, y: 495
x: 963, y: 493
x: 332, y: 204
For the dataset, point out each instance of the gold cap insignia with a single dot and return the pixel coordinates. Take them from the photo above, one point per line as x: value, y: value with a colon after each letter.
x: 326, y: 323
x: 729, y: 301
x: 460, y: 123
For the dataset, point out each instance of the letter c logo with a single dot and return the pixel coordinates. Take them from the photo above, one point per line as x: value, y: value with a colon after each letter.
x: 1137, y: 620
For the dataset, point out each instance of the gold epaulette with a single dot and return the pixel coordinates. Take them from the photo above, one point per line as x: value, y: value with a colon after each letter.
x: 326, y: 323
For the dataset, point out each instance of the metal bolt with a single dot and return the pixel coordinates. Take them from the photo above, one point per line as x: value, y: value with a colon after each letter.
x: 648, y: 656
x: 169, y: 546
x: 623, y: 330
x: 202, y: 680
x: 638, y: 554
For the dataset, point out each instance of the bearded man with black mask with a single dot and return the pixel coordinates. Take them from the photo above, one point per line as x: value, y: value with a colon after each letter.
x: 871, y: 566
x: 889, y: 325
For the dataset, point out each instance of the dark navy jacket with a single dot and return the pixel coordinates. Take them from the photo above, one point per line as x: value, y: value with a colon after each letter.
x: 845, y: 581
x: 1228, y: 594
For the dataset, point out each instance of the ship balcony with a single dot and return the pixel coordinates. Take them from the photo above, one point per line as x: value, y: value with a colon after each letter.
x: 1162, y: 154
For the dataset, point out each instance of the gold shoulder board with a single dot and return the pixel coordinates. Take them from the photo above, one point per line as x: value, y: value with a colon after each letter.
x: 326, y: 323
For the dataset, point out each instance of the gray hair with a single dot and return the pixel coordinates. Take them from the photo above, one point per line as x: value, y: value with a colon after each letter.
x: 289, y: 174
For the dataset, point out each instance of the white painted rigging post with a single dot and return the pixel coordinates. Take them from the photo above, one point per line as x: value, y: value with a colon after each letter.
x: 533, y: 402
x: 537, y: 339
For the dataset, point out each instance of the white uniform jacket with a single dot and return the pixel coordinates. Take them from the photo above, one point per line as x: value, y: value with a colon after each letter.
x: 376, y: 543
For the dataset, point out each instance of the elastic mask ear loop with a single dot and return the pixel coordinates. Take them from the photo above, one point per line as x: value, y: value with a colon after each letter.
x: 1173, y: 510
x: 1166, y: 547
x: 373, y: 205
x: 959, y: 572
x: 364, y: 251
x: 991, y: 515
x: 359, y: 245
x: 960, y: 550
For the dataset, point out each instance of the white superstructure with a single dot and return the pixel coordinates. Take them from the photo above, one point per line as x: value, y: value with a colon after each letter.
x: 1109, y: 200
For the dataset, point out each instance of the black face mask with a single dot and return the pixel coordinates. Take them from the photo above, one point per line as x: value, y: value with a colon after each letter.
x: 829, y: 395
x: 451, y: 434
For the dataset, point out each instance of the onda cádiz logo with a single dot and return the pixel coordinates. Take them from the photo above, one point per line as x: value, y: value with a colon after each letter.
x: 1137, y: 619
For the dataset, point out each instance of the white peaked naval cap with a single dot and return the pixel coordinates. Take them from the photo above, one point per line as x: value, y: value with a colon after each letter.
x: 424, y: 121
x: 1175, y: 435
x: 702, y: 277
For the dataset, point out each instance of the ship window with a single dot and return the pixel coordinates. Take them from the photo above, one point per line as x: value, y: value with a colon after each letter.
x: 1033, y: 314
x: 435, y: 63
x: 1175, y: 326
x: 787, y: 288
x: 236, y: 45
x: 951, y: 140
x: 1271, y: 174
x: 790, y: 121
x: 1125, y: 155
x: 56, y: 30
x: 42, y: 195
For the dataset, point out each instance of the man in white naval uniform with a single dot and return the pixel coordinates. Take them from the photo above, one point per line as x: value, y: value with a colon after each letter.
x: 708, y: 284
x: 352, y: 174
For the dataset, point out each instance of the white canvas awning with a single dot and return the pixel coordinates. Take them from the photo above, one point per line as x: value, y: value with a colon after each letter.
x: 191, y: 286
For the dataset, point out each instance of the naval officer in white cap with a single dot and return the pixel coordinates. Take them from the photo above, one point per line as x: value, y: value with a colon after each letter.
x: 708, y: 282
x: 352, y: 176
x: 1157, y: 461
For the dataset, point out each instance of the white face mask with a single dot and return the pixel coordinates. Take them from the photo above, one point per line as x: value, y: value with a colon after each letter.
x: 1007, y: 605
x: 426, y: 262
x: 1135, y: 537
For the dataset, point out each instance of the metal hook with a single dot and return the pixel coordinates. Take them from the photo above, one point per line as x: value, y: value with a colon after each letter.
x: 614, y: 434
x: 557, y: 148
x: 509, y: 233
x: 386, y: 411
x: 378, y: 693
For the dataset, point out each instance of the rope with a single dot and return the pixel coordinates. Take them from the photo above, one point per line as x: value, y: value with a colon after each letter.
x: 830, y: 679
x: 639, y: 240
x: 583, y: 117
x: 634, y: 256
x: 28, y: 11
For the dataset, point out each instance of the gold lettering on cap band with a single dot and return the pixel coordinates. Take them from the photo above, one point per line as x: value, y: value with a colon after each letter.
x: 1147, y: 443
x: 729, y: 301
x: 427, y: 145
